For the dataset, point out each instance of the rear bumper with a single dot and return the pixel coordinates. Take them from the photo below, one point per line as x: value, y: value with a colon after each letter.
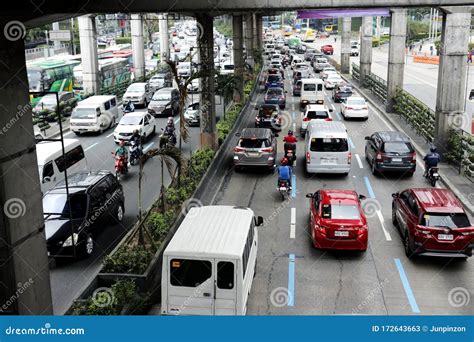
x: 395, y: 168
x: 258, y: 162
x: 357, y: 114
x: 419, y: 249
x: 317, y: 168
x: 322, y: 242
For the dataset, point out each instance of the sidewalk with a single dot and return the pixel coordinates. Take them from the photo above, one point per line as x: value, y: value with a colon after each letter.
x: 458, y: 184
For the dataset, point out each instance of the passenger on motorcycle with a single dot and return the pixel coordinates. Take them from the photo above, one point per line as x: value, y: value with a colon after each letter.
x: 284, y: 172
x: 290, y: 138
x: 431, y: 160
x: 137, y: 137
x: 169, y: 129
x: 121, y: 150
x: 129, y: 107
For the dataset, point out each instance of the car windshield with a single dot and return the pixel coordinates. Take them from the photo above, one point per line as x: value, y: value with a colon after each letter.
x: 274, y: 91
x: 345, y: 90
x: 229, y: 67
x: 317, y: 114
x: 356, y: 102
x: 84, y: 113
x: 136, y: 88
x: 48, y: 101
x: 398, y: 147
x: 337, y: 211
x: 128, y: 120
x: 57, y: 204
x: 329, y: 145
x: 273, y: 78
x: 253, y: 143
x: 458, y: 220
x: 161, y: 96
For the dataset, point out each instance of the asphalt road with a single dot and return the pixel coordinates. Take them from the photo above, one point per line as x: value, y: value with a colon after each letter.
x: 68, y: 279
x: 381, y: 281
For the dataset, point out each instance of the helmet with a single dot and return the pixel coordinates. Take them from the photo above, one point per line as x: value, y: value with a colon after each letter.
x: 290, y: 132
x: 433, y: 149
x: 170, y: 119
x: 284, y: 161
x: 135, y: 131
x: 122, y: 143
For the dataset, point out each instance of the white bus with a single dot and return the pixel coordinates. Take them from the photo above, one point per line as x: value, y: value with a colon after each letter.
x: 209, y: 264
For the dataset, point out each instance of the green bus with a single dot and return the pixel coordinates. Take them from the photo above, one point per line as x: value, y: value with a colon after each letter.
x: 44, y: 73
x: 293, y: 42
x: 112, y: 72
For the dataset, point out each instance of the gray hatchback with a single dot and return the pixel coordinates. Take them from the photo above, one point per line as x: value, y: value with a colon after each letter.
x: 256, y: 147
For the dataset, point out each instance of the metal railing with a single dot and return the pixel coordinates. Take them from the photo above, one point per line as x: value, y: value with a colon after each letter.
x: 375, y: 84
x: 461, y: 155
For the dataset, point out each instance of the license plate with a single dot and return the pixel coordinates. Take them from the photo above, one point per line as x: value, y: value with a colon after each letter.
x: 253, y: 154
x: 282, y: 188
x: 341, y: 233
x: 290, y: 154
x: 397, y: 160
x: 447, y: 237
x: 328, y: 161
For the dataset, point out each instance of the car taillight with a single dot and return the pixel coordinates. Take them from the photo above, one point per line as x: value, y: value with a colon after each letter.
x: 267, y: 149
x: 361, y: 230
x: 468, y: 233
x: 349, y: 158
x: 328, y: 119
x: 379, y: 156
x: 238, y: 149
x: 306, y: 119
x: 365, y: 108
x: 413, y: 158
x: 308, y: 157
x: 349, y: 108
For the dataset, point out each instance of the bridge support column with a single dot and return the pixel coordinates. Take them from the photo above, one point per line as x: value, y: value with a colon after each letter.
x: 249, y: 38
x: 207, y: 95
x: 24, y: 270
x: 365, y: 57
x: 138, y: 47
x: 238, y: 50
x: 259, y: 25
x: 164, y: 39
x: 346, y: 45
x: 90, y: 63
x: 396, y: 54
x: 452, y: 75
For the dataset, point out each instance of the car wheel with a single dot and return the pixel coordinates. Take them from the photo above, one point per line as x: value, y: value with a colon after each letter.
x: 119, y: 213
x: 394, y: 217
x: 410, y: 174
x: 86, y: 248
x: 407, y: 247
x: 238, y: 169
x: 77, y: 133
x: 373, y: 168
x: 154, y: 130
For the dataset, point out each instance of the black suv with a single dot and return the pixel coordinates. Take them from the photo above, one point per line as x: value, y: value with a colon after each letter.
x: 95, y: 199
x: 390, y: 151
x: 342, y: 92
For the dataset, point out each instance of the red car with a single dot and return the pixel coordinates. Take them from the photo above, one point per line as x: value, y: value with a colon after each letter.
x: 327, y: 49
x: 432, y: 222
x: 337, y: 220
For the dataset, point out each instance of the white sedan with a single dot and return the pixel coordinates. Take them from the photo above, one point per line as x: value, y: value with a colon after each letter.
x: 355, y: 107
x: 141, y: 121
x: 332, y: 81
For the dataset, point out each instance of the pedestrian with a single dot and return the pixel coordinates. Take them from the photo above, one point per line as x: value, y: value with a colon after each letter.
x: 335, y: 38
x: 431, y: 50
x: 421, y: 47
x: 469, y: 56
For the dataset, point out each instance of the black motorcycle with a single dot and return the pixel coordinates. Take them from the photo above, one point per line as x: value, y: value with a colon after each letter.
x: 135, y: 152
x: 432, y: 175
x: 167, y: 139
x: 290, y: 153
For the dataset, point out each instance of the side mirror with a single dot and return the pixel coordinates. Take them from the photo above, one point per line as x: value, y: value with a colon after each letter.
x: 276, y: 135
x: 309, y: 195
x: 395, y: 195
x: 256, y: 107
x: 238, y: 134
x: 258, y: 221
x: 362, y: 197
x: 46, y: 179
x: 331, y: 110
x: 367, y: 138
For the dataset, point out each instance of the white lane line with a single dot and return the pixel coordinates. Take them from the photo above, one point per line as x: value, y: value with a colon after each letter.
x: 382, y: 220
x: 91, y: 146
x: 110, y: 135
x: 359, y: 161
x: 293, y: 223
x: 293, y: 106
x: 145, y: 148
x: 333, y: 108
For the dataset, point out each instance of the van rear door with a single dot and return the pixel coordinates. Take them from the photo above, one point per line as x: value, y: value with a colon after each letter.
x: 226, y: 288
x: 191, y: 286
x: 329, y: 151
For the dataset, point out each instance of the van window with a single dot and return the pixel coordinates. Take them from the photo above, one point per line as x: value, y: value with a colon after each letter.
x: 247, y: 249
x: 329, y: 145
x: 70, y: 158
x: 113, y: 102
x: 225, y: 275
x: 189, y: 273
x: 309, y: 87
x: 107, y: 105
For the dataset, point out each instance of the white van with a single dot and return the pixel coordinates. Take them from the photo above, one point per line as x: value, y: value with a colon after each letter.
x: 311, y: 91
x: 51, y: 163
x: 326, y: 147
x: 95, y: 114
x: 209, y: 264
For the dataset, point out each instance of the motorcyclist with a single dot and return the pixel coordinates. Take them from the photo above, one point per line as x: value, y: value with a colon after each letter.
x: 129, y: 107
x: 290, y: 138
x: 169, y: 129
x: 136, y: 137
x: 121, y: 151
x: 431, y: 160
x: 284, y: 172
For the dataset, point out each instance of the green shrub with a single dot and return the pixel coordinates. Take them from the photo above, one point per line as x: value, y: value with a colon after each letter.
x: 129, y: 259
x: 123, y: 40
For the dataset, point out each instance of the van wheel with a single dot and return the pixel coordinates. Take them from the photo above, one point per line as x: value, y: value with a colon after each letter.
x: 86, y: 248
x: 154, y: 130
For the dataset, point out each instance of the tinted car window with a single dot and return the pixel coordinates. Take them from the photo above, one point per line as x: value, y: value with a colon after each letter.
x: 317, y: 114
x: 189, y: 273
x: 274, y: 91
x: 329, y: 145
x: 398, y: 147
x: 340, y: 212
x: 309, y: 87
x: 254, y: 143
x: 57, y: 204
x: 445, y: 220
x: 273, y: 78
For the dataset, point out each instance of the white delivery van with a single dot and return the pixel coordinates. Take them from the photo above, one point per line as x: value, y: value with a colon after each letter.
x: 52, y: 164
x: 209, y: 264
x: 327, y: 148
x: 95, y: 114
x: 311, y: 91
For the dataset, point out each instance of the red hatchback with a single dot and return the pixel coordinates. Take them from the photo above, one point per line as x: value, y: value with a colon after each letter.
x: 327, y: 49
x: 432, y: 222
x: 337, y: 220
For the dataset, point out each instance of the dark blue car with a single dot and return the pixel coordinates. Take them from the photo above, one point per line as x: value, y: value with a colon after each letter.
x: 273, y: 81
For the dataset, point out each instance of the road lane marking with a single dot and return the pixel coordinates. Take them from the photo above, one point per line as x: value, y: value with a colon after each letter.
x: 359, y: 161
x: 293, y: 223
x: 382, y: 222
x: 293, y: 114
x: 406, y: 286
x: 91, y: 146
x: 177, y: 120
x: 148, y: 146
x: 293, y: 106
x: 369, y: 187
x: 293, y: 186
x: 351, y: 143
x: 338, y: 116
x: 110, y: 135
x: 291, y: 280
x: 332, y: 107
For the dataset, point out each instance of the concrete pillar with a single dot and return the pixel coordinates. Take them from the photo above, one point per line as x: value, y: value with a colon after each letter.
x: 346, y: 45
x: 259, y: 25
x: 396, y: 54
x: 365, y: 57
x: 238, y: 47
x: 164, y: 39
x: 452, y: 74
x: 249, y: 38
x: 24, y: 270
x: 205, y: 41
x: 90, y: 63
x: 57, y: 43
x: 138, y: 46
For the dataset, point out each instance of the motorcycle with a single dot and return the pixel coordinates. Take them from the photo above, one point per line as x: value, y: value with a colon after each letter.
x: 167, y: 140
x: 432, y: 175
x: 127, y: 110
x: 290, y: 153
x: 135, y: 152
x: 121, y: 167
x: 284, y: 189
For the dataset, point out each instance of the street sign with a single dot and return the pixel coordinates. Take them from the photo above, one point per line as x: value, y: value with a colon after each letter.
x: 60, y: 35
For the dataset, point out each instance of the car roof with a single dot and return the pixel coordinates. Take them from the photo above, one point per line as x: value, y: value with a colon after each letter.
x: 137, y: 114
x: 165, y: 90
x: 81, y: 179
x: 331, y: 196
x: 355, y: 98
x: 437, y: 200
x: 391, y: 136
x: 256, y: 133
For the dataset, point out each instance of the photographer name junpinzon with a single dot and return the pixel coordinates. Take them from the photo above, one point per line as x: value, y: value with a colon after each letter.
x: 446, y: 328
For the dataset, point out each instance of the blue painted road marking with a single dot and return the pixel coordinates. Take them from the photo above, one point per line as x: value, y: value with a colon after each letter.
x: 407, y: 287
x: 291, y: 280
x: 293, y: 186
x: 369, y: 187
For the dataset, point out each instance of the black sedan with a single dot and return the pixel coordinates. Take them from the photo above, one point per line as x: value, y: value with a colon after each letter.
x: 341, y: 93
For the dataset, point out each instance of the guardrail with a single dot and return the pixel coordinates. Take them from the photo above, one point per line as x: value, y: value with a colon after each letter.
x: 461, y: 155
x: 376, y: 85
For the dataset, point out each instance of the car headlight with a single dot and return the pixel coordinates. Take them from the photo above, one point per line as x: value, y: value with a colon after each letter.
x: 68, y: 241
